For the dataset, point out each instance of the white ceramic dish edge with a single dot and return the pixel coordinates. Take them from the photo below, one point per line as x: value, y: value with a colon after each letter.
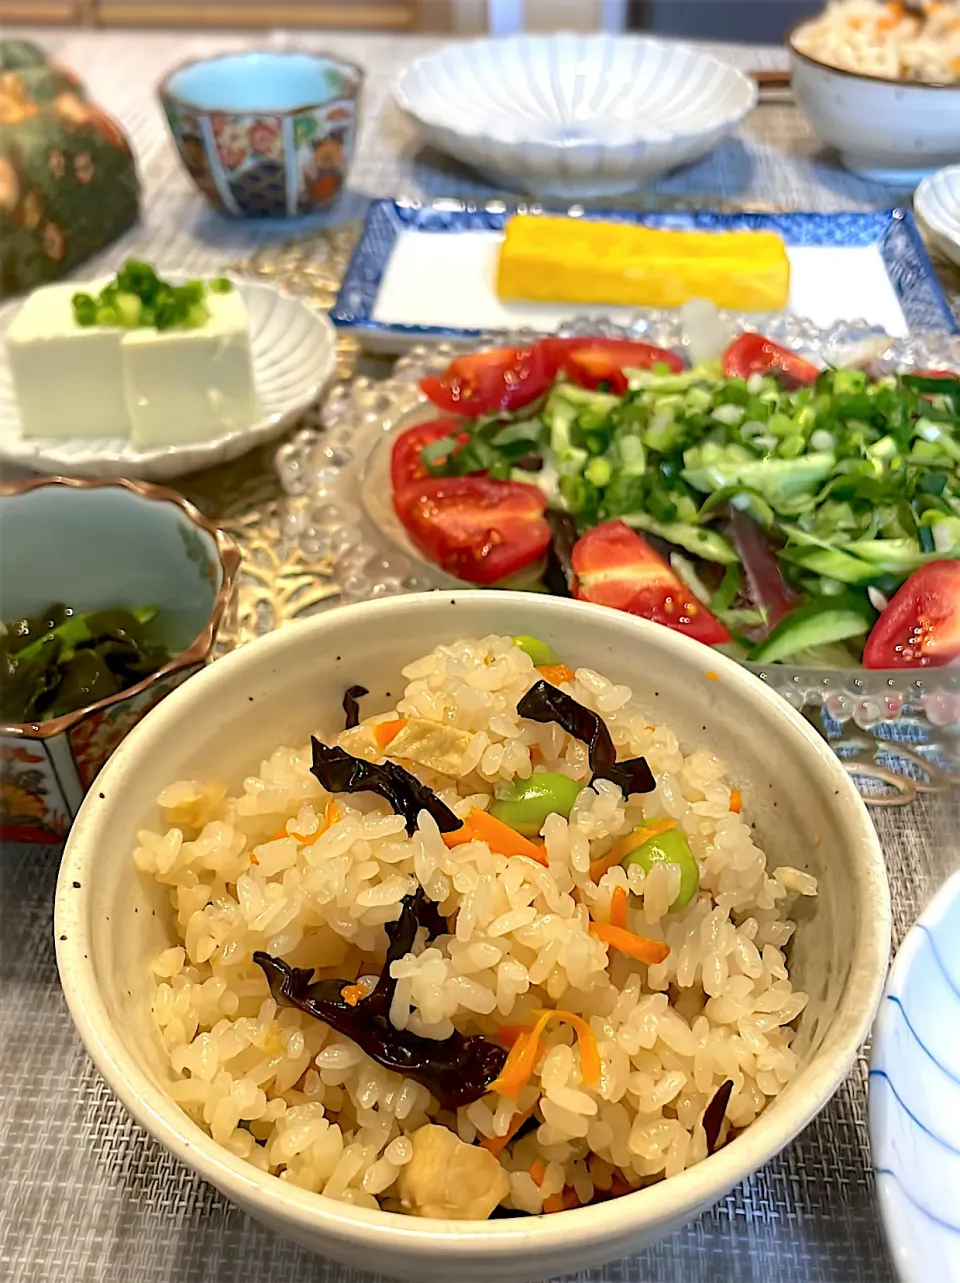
x: 918, y: 1173
x: 503, y: 1250
x: 936, y: 204
x: 294, y: 357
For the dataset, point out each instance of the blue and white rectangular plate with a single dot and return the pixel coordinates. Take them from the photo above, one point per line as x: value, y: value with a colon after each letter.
x: 428, y: 272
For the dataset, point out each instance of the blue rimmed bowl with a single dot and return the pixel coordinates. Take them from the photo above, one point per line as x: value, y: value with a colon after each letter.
x: 915, y: 1097
x: 265, y: 134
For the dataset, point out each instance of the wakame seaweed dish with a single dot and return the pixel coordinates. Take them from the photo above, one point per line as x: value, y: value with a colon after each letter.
x: 502, y: 946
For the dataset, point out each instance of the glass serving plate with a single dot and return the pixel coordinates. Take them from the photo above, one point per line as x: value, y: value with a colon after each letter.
x: 343, y: 478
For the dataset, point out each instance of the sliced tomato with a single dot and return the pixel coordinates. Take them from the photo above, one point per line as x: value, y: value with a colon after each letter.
x: 406, y: 465
x: 754, y: 354
x: 476, y: 528
x: 615, y: 567
x: 591, y: 362
x: 920, y: 627
x: 505, y: 378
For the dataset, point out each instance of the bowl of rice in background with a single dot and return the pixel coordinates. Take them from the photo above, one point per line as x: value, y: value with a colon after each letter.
x: 882, y: 85
x: 510, y: 1144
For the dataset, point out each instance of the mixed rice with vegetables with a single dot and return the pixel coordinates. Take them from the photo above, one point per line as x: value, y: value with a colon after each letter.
x: 502, y: 949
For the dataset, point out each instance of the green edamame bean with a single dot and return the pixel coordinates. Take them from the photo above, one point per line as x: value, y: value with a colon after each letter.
x: 538, y: 650
x: 671, y: 847
x: 527, y: 803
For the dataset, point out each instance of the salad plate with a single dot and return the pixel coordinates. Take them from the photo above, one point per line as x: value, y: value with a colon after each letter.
x: 349, y: 514
x: 293, y: 347
x: 428, y: 272
x: 914, y: 1100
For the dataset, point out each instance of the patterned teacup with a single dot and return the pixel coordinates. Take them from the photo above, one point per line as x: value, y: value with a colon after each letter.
x: 265, y: 134
x: 94, y: 545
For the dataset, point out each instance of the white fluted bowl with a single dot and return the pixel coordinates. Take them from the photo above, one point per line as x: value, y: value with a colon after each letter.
x: 572, y: 116
x: 937, y: 206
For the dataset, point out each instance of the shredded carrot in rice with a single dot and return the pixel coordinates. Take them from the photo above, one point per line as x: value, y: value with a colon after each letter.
x: 556, y: 674
x: 627, y: 844
x: 253, y: 859
x: 479, y: 826
x: 497, y: 1144
x: 536, y: 756
x: 525, y: 1052
x: 736, y: 801
x: 508, y: 1034
x: 538, y: 1171
x: 330, y: 817
x: 554, y: 1203
x: 620, y: 1185
x: 384, y: 732
x: 351, y: 994
x: 634, y: 946
x: 618, y: 907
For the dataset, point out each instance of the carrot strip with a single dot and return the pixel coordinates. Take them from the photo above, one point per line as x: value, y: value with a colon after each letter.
x: 330, y: 817
x: 556, y: 674
x: 571, y: 1198
x: 352, y: 994
x: 538, y: 1171
x: 499, y: 837
x: 586, y: 1039
x: 554, y: 1203
x: 459, y: 837
x: 618, y: 907
x: 522, y: 1058
x: 633, y: 946
x: 508, y: 1034
x: 620, y: 1185
x: 497, y: 1144
x: 280, y: 833
x: 536, y: 755
x: 253, y: 859
x: 736, y: 801
x: 627, y: 844
x: 521, y: 1061
x: 384, y: 732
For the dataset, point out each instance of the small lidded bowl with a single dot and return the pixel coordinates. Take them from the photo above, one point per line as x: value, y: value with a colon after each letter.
x: 96, y: 546
x: 265, y: 134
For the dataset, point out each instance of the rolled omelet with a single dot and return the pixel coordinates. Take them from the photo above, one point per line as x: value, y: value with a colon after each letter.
x: 575, y: 260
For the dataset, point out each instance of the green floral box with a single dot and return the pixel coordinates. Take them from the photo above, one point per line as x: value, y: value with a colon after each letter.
x: 68, y: 182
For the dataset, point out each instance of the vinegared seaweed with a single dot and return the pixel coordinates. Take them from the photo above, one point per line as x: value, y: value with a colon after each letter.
x: 339, y: 772
x: 58, y: 661
x: 456, y: 1070
x: 546, y: 703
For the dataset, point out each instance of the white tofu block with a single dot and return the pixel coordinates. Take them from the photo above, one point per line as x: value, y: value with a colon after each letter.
x: 188, y: 385
x: 68, y: 380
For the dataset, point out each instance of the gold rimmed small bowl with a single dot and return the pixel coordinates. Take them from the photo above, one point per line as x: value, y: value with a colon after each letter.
x: 95, y: 545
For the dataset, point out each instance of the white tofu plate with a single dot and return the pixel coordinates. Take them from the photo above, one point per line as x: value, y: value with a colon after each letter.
x: 293, y: 348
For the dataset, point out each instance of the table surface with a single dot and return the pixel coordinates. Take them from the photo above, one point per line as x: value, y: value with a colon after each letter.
x: 85, y: 1195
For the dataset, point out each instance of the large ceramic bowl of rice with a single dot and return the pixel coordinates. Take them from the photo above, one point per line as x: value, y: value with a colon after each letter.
x: 484, y: 935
